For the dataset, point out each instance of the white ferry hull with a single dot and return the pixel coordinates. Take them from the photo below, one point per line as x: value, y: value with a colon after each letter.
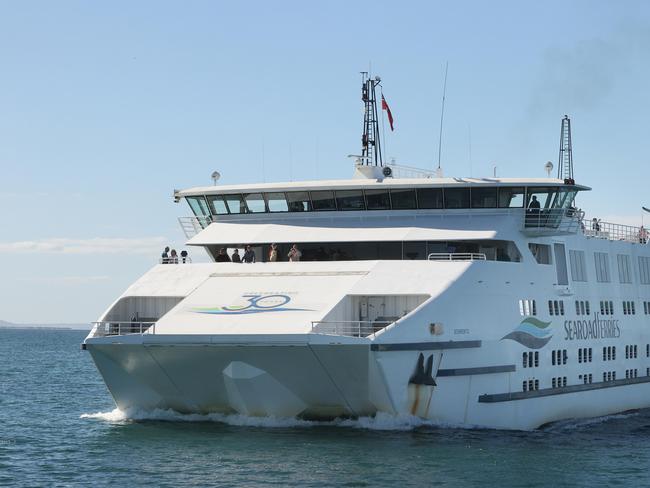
x: 293, y: 378
x: 283, y: 380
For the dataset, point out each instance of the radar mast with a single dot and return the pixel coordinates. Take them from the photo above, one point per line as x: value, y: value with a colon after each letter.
x: 565, y: 159
x: 370, y: 140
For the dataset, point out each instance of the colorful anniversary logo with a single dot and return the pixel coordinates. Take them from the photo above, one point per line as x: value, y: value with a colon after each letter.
x: 255, y: 304
x: 531, y: 333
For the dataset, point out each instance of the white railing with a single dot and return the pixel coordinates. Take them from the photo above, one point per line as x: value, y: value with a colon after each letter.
x: 456, y: 256
x: 175, y: 260
x: 552, y: 221
x: 614, y: 232
x: 110, y: 328
x: 193, y: 225
x: 350, y: 328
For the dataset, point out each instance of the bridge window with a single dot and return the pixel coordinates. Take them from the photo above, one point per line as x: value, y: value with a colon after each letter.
x: 456, y: 197
x: 277, y: 202
x: 323, y: 200
x: 484, y: 197
x: 377, y: 199
x: 429, y: 197
x: 404, y: 199
x: 563, y: 198
x: 236, y: 204
x: 298, y: 201
x: 218, y: 204
x: 350, y: 200
x: 543, y: 195
x: 511, y: 197
x: 255, y: 203
x: 199, y: 206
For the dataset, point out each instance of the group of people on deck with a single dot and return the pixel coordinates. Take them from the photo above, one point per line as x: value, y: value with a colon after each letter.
x: 249, y: 255
x: 171, y: 256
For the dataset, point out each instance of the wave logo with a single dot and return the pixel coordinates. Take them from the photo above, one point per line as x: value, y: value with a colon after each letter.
x: 531, y: 333
x: 256, y: 304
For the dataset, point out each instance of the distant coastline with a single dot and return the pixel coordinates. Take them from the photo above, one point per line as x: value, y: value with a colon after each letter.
x: 10, y: 325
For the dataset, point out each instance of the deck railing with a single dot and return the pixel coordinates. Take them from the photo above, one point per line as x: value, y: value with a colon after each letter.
x: 350, y: 328
x: 552, y: 221
x: 614, y: 232
x: 456, y: 256
x: 111, y: 328
x: 193, y: 225
x: 176, y: 260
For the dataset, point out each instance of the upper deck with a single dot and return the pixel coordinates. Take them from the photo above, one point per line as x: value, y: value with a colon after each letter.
x: 372, y: 194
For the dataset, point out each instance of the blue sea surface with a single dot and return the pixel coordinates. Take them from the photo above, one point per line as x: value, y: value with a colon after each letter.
x: 59, y: 427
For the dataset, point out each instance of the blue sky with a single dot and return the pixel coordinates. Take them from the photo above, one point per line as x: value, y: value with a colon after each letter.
x: 106, y: 107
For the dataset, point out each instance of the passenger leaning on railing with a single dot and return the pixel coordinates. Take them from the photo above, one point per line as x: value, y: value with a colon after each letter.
x: 164, y: 258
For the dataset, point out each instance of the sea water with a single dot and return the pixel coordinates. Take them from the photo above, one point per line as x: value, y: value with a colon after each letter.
x: 59, y: 427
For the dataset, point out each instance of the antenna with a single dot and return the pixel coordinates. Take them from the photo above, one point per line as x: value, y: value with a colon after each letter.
x: 565, y: 159
x: 442, y: 114
x: 215, y: 177
x: 370, y: 141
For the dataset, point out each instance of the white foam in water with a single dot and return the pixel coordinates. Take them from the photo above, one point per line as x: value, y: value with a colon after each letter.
x: 382, y: 421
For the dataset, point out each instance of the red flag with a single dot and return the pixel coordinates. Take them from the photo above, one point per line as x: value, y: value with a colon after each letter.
x: 384, y: 106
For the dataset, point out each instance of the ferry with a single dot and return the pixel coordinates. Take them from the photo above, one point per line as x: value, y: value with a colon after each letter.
x: 475, y: 302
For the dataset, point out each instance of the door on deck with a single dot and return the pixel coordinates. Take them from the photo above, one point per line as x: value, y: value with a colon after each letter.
x: 560, y: 264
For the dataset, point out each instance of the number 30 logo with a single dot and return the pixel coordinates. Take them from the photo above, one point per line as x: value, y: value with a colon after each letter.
x: 263, y: 302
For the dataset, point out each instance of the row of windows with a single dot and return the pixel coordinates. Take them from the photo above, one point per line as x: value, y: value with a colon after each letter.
x: 631, y: 352
x: 530, y: 385
x: 629, y: 308
x: 556, y: 307
x: 606, y: 307
x: 527, y: 307
x: 559, y: 356
x: 586, y: 378
x: 585, y: 355
x: 609, y: 376
x: 601, y: 262
x: 582, y: 307
x: 609, y: 353
x: 530, y: 359
x: 558, y: 382
x: 377, y: 199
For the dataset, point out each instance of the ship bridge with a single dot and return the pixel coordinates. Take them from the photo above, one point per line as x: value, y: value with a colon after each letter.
x: 391, y: 218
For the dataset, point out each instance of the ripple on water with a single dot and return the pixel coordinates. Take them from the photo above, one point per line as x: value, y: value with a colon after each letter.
x: 50, y: 436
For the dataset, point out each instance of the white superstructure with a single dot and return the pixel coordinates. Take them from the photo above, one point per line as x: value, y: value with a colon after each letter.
x: 446, y: 298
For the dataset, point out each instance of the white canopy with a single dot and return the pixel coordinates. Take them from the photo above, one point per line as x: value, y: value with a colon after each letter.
x: 353, y: 231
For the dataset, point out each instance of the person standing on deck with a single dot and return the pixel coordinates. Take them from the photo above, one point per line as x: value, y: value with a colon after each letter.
x: 235, y: 256
x: 249, y: 255
x: 164, y: 258
x: 294, y: 254
x: 273, y: 253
